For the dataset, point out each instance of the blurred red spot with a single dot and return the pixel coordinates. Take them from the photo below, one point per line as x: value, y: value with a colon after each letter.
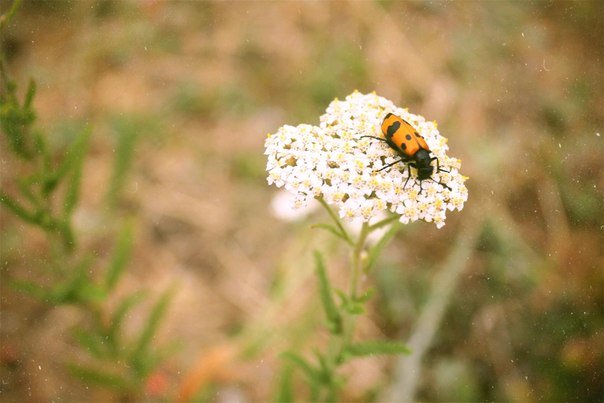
x: 157, y: 384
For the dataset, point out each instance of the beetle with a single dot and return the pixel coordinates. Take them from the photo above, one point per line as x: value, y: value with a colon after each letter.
x: 410, y: 147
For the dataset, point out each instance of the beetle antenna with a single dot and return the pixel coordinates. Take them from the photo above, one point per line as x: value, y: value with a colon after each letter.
x: 373, y: 137
x: 389, y: 165
x: 438, y: 168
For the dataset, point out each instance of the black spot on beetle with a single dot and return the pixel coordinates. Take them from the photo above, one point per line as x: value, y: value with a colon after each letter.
x: 408, y: 137
x: 393, y: 128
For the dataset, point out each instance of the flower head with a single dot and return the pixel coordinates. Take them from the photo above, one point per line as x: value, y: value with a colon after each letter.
x: 335, y: 162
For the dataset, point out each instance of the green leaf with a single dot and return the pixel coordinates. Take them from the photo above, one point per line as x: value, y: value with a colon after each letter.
x: 91, y: 342
x: 29, y: 95
x: 331, y: 229
x: 376, y: 348
x: 313, y: 375
x: 128, y: 132
x: 344, y: 300
x: 65, y: 230
x: 15, y: 120
x: 17, y: 209
x: 154, y: 359
x: 331, y: 311
x: 99, y: 377
x: 6, y: 17
x: 325, y: 372
x: 24, y: 185
x: 72, y: 162
x: 328, y: 377
x: 70, y: 292
x: 77, y: 151
x: 120, y: 313
x: 121, y: 256
x: 91, y: 292
x: 142, y: 346
x: 336, y: 219
x: 366, y: 296
x: 375, y: 252
x: 384, y: 222
x: 354, y: 306
x: 32, y: 289
x: 285, y: 392
x: 42, y: 149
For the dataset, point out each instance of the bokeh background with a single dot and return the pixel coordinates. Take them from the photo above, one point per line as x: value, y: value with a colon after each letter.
x: 180, y: 97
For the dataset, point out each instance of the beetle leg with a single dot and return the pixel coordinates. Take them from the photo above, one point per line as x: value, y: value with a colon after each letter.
x: 408, y: 175
x: 412, y: 164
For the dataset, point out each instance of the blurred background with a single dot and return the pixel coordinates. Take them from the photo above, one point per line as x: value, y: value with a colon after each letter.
x: 179, y: 97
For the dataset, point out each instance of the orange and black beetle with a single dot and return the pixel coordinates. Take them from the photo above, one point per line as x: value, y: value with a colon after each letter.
x: 411, y: 147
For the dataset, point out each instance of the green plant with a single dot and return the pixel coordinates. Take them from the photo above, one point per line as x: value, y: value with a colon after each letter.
x: 342, y: 309
x: 45, y: 193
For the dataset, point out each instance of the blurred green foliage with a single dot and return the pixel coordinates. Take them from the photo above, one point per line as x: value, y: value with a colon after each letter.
x: 46, y: 196
x: 342, y: 309
x: 38, y: 188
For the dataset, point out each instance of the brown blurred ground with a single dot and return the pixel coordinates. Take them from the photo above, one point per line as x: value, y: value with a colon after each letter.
x: 516, y: 87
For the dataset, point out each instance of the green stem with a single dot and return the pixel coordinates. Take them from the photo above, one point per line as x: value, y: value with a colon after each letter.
x: 384, y: 222
x: 339, y: 342
x: 357, y: 259
x: 6, y: 17
x: 17, y: 209
x: 349, y: 320
x: 335, y: 218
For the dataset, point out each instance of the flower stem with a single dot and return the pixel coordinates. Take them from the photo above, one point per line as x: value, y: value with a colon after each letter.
x: 385, y: 221
x: 357, y: 266
x: 6, y: 17
x: 339, y: 342
x: 357, y: 259
x: 335, y: 218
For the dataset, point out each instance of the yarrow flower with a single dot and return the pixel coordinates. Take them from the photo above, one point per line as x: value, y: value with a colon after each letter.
x: 333, y: 161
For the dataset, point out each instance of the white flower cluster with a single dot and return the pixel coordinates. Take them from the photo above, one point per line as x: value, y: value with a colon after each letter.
x: 332, y: 161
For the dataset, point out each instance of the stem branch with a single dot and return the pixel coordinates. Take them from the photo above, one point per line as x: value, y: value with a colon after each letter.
x: 335, y: 218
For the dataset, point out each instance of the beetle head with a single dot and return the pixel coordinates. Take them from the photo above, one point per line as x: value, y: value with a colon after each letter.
x: 422, y: 160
